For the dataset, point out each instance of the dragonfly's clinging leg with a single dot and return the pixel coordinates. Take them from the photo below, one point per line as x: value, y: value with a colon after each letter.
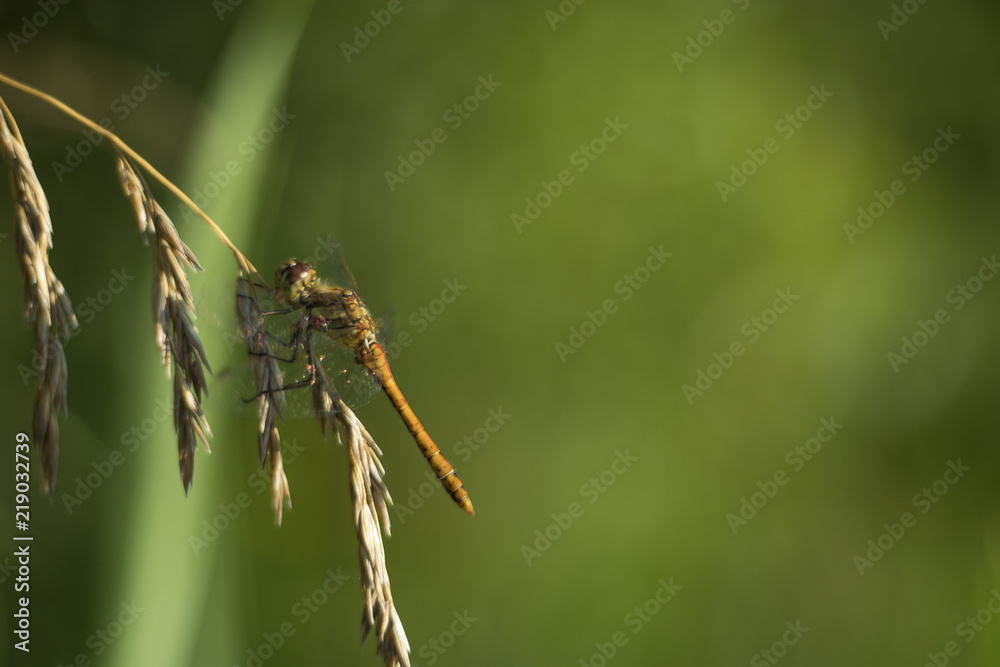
x: 302, y: 331
x: 308, y: 382
x: 300, y: 328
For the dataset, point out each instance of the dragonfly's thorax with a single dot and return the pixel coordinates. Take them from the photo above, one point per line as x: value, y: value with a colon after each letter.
x: 340, y: 313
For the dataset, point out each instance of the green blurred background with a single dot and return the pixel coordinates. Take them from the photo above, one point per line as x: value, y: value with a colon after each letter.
x: 226, y: 68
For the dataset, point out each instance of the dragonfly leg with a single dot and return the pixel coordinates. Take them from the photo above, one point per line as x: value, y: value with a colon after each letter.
x: 293, y: 343
x: 308, y: 382
x: 300, y: 333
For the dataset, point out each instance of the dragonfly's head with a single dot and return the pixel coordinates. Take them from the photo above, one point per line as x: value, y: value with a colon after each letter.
x: 294, y: 280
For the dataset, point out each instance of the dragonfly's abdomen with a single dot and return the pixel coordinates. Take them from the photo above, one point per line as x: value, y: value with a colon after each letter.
x: 377, y: 363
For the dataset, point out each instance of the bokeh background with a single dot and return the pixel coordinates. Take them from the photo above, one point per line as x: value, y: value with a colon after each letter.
x: 694, y: 87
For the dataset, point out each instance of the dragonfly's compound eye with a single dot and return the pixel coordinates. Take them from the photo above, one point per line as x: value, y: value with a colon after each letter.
x: 294, y: 278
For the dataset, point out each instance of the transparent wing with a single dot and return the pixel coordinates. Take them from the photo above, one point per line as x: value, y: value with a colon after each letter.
x: 352, y: 381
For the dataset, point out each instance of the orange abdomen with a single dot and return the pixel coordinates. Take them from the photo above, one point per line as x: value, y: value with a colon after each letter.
x: 379, y: 366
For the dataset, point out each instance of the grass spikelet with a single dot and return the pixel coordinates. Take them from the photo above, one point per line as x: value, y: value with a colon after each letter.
x: 47, y: 306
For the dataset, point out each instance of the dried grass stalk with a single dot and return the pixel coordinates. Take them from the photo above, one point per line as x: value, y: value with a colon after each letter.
x: 326, y: 401
x: 268, y: 380
x: 135, y: 159
x: 369, y: 499
x: 176, y: 334
x: 280, y: 493
x: 369, y: 496
x: 50, y: 401
x: 46, y: 304
x: 49, y: 308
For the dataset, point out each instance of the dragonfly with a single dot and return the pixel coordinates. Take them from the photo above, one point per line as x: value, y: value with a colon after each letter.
x: 328, y: 312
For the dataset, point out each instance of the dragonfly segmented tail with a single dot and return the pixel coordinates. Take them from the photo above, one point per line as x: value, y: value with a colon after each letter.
x: 378, y: 364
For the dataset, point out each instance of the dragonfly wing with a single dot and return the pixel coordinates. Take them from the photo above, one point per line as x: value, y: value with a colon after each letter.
x: 240, y: 383
x: 352, y: 381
